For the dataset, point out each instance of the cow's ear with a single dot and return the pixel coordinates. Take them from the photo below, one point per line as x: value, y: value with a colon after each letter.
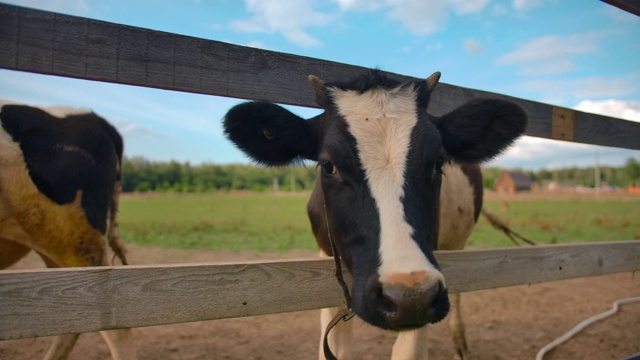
x: 481, y: 129
x: 270, y: 134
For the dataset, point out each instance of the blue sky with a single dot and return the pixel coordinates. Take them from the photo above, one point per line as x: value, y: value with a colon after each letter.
x: 580, y: 54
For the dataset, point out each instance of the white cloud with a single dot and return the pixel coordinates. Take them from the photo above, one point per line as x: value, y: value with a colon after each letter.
x: 534, y: 153
x: 425, y: 17
x: 132, y: 130
x: 629, y: 110
x: 467, y: 6
x: 473, y: 46
x: 499, y: 10
x: 289, y: 18
x: 419, y: 17
x: 529, y: 148
x: 359, y: 5
x: 293, y: 18
x: 459, y: 6
x: 552, y: 54
x: 582, y: 88
x: 537, y: 153
x: 524, y: 5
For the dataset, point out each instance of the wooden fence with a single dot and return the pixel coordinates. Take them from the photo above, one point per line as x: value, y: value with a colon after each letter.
x: 40, y: 302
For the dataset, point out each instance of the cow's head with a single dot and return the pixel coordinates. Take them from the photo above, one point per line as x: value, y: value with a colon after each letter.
x: 380, y: 156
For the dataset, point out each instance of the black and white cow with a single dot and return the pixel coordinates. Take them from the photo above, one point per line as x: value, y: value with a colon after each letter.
x: 59, y: 191
x: 383, y: 161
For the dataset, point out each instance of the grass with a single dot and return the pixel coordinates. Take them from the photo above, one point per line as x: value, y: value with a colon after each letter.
x: 259, y: 222
x: 273, y: 223
x: 551, y: 222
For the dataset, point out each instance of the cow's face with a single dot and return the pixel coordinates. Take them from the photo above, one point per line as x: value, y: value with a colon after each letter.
x: 380, y: 157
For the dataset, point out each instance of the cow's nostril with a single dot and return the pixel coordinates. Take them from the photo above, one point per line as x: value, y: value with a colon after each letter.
x: 383, y: 304
x: 387, y: 304
x: 407, y: 307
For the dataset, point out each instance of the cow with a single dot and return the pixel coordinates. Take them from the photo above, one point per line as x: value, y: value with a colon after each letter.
x: 60, y: 180
x: 394, y: 184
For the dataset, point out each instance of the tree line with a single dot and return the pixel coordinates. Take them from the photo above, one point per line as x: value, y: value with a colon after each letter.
x: 142, y: 175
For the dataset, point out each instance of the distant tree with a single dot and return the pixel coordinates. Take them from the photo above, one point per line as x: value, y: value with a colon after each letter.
x: 632, y: 171
x: 134, y: 172
x: 143, y: 187
x: 490, y: 175
x: 544, y: 174
x: 140, y: 174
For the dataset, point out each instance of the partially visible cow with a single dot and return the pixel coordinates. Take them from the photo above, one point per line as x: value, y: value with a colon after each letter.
x: 59, y: 188
x: 394, y: 184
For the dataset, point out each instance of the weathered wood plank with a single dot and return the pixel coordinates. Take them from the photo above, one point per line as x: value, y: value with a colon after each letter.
x: 42, y: 41
x: 49, y: 302
x: 48, y: 43
x: 495, y: 268
x: 46, y: 302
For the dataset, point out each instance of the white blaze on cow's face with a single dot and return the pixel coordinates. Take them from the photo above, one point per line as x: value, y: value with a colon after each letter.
x: 381, y: 121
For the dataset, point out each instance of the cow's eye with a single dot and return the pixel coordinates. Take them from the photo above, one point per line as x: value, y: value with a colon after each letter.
x: 328, y: 167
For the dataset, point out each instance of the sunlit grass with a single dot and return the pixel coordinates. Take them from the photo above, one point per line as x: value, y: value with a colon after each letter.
x: 265, y: 222
x: 253, y: 221
x: 550, y: 222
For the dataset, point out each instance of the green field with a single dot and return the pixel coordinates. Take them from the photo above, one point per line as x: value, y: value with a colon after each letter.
x: 564, y: 221
x: 266, y: 223
x: 252, y: 221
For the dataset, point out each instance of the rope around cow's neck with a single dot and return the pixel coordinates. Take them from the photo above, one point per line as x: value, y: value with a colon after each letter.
x: 344, y: 314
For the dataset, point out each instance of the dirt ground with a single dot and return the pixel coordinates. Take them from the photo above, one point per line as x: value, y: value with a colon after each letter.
x: 507, y: 323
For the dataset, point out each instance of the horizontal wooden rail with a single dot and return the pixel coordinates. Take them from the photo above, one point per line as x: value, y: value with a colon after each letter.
x: 58, y: 301
x: 49, y: 43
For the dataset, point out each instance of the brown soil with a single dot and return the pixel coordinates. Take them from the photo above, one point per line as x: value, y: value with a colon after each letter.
x: 508, y: 323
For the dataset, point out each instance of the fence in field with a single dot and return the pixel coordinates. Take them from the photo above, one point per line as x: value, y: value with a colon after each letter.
x: 40, y: 302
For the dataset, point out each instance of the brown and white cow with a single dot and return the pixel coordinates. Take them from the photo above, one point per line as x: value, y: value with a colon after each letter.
x: 395, y: 183
x: 59, y: 188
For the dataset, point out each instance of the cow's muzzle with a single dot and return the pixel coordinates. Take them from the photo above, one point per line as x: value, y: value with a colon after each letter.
x: 405, y: 305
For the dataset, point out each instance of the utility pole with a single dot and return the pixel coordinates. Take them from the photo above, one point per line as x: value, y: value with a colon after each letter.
x: 597, y: 172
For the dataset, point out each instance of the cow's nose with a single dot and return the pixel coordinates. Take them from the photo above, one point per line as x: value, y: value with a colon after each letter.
x: 411, y: 304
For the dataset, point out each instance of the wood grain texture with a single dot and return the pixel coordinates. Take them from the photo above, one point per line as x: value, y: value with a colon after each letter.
x: 495, y: 268
x: 48, y: 43
x: 46, y: 302
x: 49, y: 302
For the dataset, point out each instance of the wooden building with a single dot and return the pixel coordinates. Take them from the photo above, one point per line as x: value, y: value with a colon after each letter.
x: 512, y: 182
